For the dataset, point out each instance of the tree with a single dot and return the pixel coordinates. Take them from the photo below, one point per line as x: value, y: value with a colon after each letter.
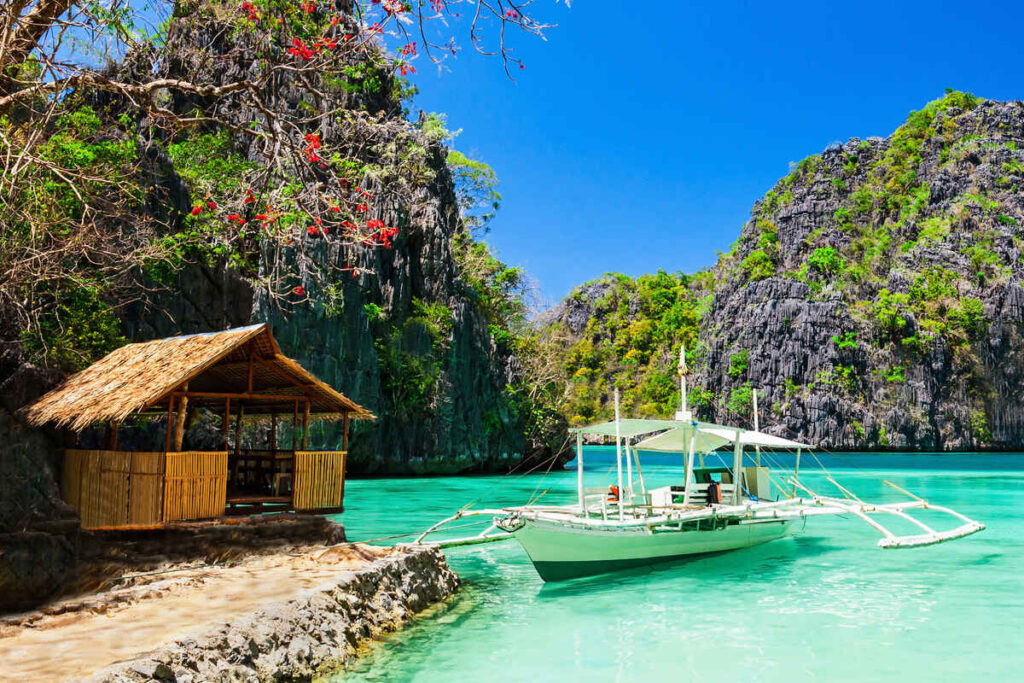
x: 282, y: 117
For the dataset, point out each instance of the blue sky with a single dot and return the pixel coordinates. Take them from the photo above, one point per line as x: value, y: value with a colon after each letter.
x: 638, y: 140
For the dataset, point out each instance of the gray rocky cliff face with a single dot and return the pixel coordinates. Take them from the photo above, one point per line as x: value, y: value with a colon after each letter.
x: 911, y: 337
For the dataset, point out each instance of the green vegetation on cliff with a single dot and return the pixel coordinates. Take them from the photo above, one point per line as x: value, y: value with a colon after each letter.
x: 631, y: 333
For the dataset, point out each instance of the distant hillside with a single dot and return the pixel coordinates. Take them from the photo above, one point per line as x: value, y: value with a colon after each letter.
x: 874, y: 298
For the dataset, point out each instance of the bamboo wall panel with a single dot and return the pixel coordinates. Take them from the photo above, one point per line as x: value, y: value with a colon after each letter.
x: 195, y: 485
x: 146, y: 493
x: 113, y: 496
x: 319, y: 480
x: 71, y: 478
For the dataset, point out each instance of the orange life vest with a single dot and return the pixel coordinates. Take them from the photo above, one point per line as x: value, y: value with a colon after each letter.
x: 613, y: 493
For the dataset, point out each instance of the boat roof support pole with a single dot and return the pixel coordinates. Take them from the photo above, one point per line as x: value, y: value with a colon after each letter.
x: 629, y: 472
x: 737, y: 468
x: 639, y: 471
x: 689, y: 464
x: 796, y: 472
x: 579, y: 471
x: 618, y: 453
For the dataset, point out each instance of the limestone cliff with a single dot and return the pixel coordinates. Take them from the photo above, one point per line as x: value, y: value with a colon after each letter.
x: 874, y: 299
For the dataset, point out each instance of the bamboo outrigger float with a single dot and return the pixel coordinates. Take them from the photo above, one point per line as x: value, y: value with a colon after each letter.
x: 602, y: 532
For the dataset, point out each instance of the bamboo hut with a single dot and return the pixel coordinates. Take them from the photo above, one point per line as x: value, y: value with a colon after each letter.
x: 239, y: 374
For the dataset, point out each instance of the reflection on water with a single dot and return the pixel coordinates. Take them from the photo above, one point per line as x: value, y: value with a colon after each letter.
x: 824, y: 604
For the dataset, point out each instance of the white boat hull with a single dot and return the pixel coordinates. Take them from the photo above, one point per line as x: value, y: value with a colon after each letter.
x: 562, y: 551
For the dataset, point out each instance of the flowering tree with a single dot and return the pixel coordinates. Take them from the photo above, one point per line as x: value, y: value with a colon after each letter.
x: 282, y: 117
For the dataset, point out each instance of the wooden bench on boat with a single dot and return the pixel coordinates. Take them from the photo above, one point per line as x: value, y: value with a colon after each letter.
x: 238, y: 373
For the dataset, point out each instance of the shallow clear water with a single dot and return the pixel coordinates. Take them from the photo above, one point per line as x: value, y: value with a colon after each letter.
x: 825, y: 604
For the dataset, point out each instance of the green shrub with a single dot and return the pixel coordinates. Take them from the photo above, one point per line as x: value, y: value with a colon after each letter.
x: 741, y: 400
x: 758, y: 265
x: 890, y: 312
x: 738, y: 364
x: 826, y: 261
x: 847, y: 340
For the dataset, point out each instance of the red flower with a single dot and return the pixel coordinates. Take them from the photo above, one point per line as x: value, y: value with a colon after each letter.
x: 313, y: 231
x: 407, y: 69
x: 249, y: 198
x: 313, y: 139
x: 409, y: 49
x: 362, y: 207
x: 392, y: 6
x: 335, y: 209
x: 250, y: 11
x: 313, y: 157
x: 196, y: 210
x: 212, y: 204
x: 298, y: 290
x: 309, y: 7
x: 235, y: 218
x: 335, y: 20
x: 299, y: 49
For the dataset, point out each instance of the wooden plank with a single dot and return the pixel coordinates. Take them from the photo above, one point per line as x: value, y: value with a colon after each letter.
x: 113, y: 495
x: 146, y: 489
x: 89, y: 509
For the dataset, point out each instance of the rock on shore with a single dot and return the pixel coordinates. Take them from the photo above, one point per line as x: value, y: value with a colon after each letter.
x: 310, y: 635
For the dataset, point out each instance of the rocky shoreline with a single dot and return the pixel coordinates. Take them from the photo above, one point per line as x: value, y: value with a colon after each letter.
x: 311, y: 635
x: 288, y: 616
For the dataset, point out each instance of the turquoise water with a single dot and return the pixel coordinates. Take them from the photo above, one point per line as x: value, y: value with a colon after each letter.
x: 823, y: 605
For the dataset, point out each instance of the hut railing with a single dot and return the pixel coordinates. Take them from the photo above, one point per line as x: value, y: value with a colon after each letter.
x: 195, y: 485
x: 319, y: 482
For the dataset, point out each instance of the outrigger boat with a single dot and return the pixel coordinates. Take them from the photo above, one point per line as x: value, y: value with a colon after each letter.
x: 602, y: 532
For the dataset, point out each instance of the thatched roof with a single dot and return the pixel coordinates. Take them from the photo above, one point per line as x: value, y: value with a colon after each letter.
x: 141, y: 378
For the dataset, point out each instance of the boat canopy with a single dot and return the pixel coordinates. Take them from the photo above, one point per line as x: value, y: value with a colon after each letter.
x: 669, y: 436
x: 627, y: 429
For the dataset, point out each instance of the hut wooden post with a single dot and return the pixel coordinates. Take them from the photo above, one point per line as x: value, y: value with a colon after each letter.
x: 295, y: 426
x: 227, y: 421
x: 344, y: 436
x: 116, y: 428
x: 305, y: 426
x: 179, y: 423
x: 170, y: 421
x: 251, y: 354
x: 272, y: 438
x: 238, y: 431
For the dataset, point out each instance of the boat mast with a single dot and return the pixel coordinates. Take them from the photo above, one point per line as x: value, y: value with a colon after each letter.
x: 579, y: 470
x: 684, y: 414
x: 618, y: 451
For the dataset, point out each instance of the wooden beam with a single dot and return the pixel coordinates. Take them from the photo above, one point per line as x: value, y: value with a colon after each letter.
x: 179, y: 423
x: 295, y: 427
x: 240, y: 396
x: 344, y: 436
x: 252, y: 353
x: 238, y: 431
x: 305, y: 426
x: 272, y: 438
x: 227, y: 421
x: 170, y: 422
